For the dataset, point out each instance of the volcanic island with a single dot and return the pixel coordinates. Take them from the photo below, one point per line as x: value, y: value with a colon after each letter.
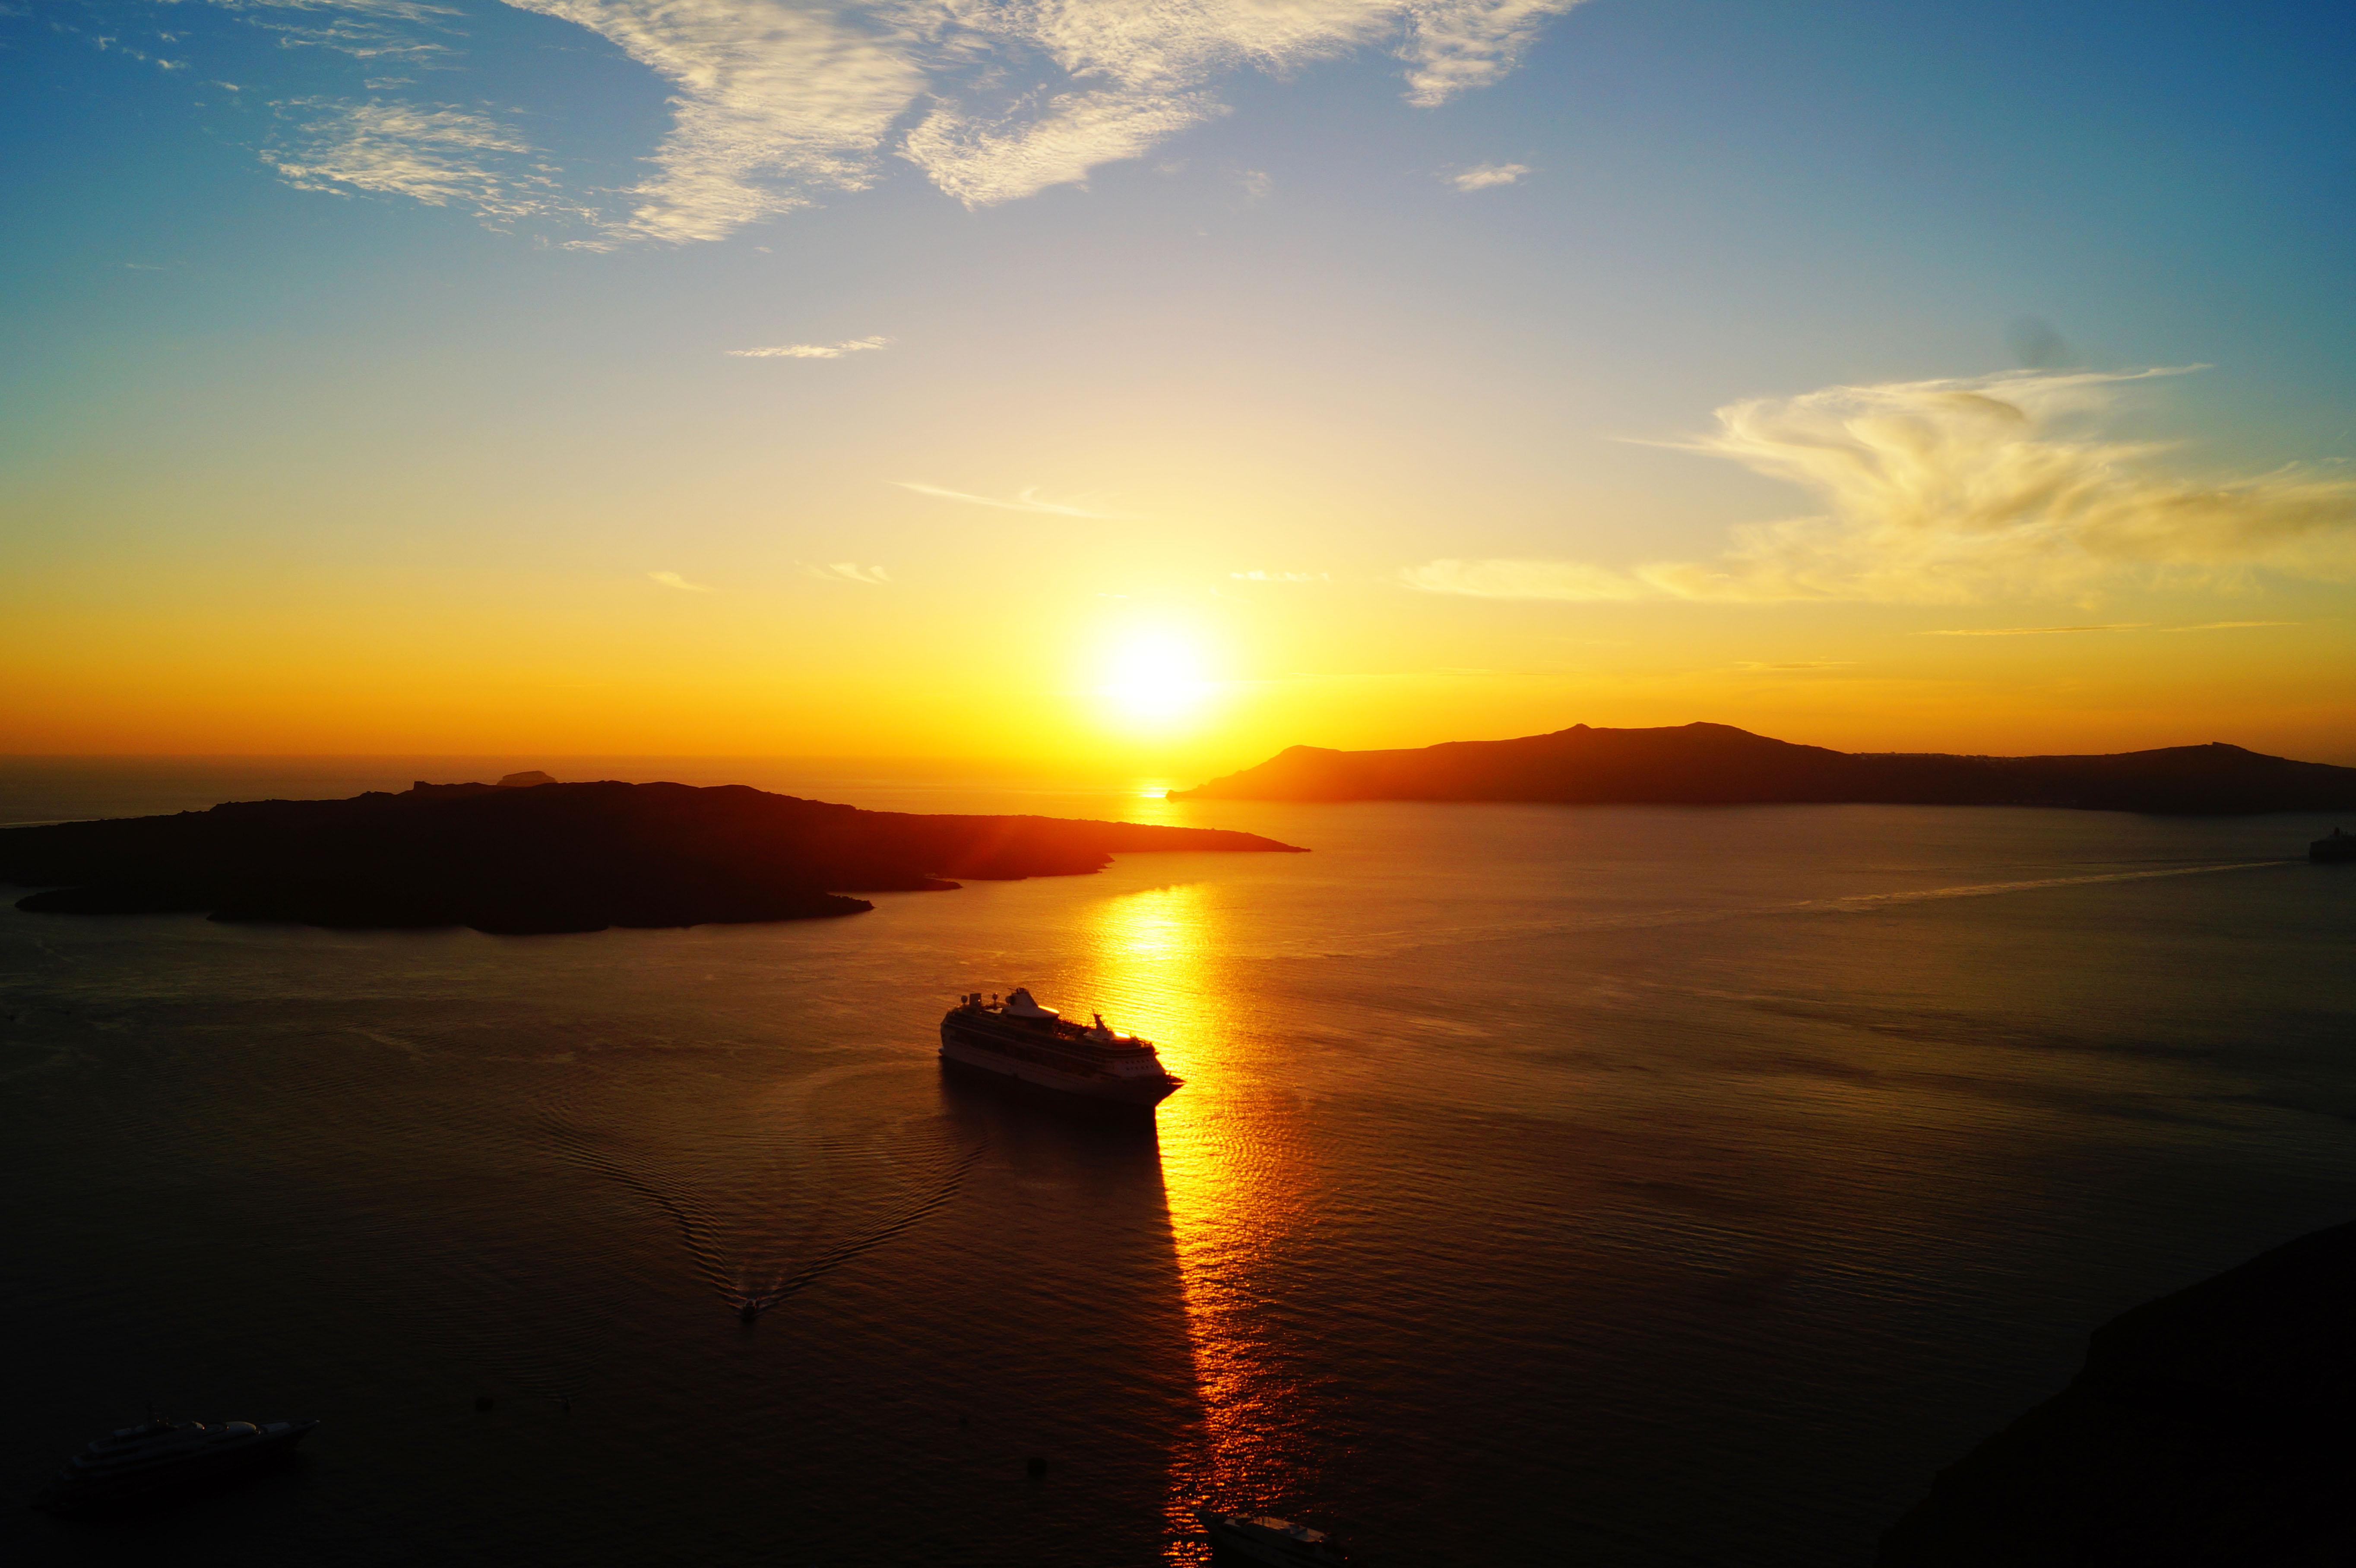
x: 525, y: 858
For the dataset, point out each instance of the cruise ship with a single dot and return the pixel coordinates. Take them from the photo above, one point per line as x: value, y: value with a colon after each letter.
x: 156, y: 1456
x: 1277, y: 1541
x: 1020, y: 1038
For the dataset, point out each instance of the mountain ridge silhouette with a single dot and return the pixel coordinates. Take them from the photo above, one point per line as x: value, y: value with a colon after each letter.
x: 549, y: 858
x: 1717, y: 764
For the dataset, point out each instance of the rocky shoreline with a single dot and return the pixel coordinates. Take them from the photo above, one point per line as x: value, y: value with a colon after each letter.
x: 2208, y: 1428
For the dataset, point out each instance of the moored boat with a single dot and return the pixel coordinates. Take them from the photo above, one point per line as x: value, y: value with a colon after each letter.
x: 137, y: 1463
x: 2337, y: 847
x: 1274, y: 1540
x: 1019, y: 1039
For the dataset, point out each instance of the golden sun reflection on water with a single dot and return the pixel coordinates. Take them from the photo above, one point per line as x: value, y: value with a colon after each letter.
x: 1231, y: 1203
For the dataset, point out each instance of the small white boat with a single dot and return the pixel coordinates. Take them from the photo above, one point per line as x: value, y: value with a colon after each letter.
x: 1273, y: 1540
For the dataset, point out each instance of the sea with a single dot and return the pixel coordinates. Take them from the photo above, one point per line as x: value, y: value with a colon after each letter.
x: 1621, y: 1186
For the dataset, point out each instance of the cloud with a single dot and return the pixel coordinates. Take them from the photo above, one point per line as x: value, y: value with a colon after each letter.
x: 770, y: 103
x: 2038, y: 631
x: 849, y: 572
x: 2232, y: 625
x: 1480, y: 176
x: 811, y: 350
x: 1256, y: 576
x: 777, y: 105
x: 673, y: 579
x: 1565, y: 579
x: 1457, y: 48
x: 986, y: 158
x: 436, y: 155
x: 364, y: 30
x: 1960, y: 491
x: 1027, y: 500
x: 2110, y: 626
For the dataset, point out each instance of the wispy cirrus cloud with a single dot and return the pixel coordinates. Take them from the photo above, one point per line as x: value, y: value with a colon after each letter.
x: 2036, y: 631
x: 1258, y: 576
x: 1452, y: 48
x: 1958, y: 491
x: 1025, y: 500
x: 673, y: 579
x: 1483, y: 176
x: 2233, y: 625
x: 2108, y: 626
x: 847, y: 571
x: 812, y: 350
x: 1571, y: 581
x: 984, y: 156
x: 438, y: 155
x: 364, y: 30
x: 772, y: 103
x: 777, y: 105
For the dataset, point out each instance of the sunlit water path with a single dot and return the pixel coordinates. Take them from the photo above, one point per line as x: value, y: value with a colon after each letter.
x: 1633, y: 1187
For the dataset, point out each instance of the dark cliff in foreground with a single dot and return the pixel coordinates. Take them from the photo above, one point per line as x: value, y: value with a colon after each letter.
x: 1717, y: 764
x: 2210, y: 1426
x: 557, y: 856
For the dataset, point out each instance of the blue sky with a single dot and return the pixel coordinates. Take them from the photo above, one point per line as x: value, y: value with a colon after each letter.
x: 439, y: 309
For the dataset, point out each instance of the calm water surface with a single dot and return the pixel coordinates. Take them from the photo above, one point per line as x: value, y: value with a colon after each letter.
x: 1601, y: 1186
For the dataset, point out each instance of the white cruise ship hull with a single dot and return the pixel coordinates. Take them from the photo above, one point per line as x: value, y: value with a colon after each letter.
x: 979, y: 1053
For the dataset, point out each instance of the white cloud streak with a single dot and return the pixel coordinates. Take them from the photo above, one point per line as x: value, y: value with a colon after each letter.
x: 1484, y: 177
x: 2036, y: 631
x: 811, y: 350
x: 1258, y: 576
x: 849, y: 572
x: 771, y: 102
x: 2110, y: 626
x: 364, y: 30
x: 1570, y: 581
x: 1027, y: 500
x: 777, y: 105
x: 1459, y: 46
x: 673, y: 579
x: 437, y: 155
x: 1960, y: 491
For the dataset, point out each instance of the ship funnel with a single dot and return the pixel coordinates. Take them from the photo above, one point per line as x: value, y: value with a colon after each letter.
x: 1019, y: 1004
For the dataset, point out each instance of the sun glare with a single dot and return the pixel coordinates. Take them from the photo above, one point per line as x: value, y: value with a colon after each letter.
x: 1155, y: 679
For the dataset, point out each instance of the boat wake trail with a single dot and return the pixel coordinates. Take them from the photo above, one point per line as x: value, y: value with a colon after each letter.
x: 773, y: 1190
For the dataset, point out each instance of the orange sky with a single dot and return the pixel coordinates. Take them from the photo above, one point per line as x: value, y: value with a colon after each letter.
x: 1364, y: 400
x: 1189, y: 675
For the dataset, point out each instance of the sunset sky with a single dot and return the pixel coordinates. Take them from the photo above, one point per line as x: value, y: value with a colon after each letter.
x: 1173, y: 382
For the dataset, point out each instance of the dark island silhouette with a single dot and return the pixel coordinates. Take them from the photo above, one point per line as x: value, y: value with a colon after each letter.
x: 1717, y: 764
x: 2209, y: 1426
x: 535, y: 857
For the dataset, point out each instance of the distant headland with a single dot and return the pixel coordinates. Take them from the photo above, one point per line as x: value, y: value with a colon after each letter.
x: 531, y: 855
x: 1717, y: 764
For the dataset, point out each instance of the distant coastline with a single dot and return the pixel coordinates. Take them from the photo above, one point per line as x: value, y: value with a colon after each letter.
x: 534, y: 857
x: 1717, y: 764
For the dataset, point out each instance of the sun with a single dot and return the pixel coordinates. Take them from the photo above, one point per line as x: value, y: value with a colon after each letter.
x: 1155, y: 677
